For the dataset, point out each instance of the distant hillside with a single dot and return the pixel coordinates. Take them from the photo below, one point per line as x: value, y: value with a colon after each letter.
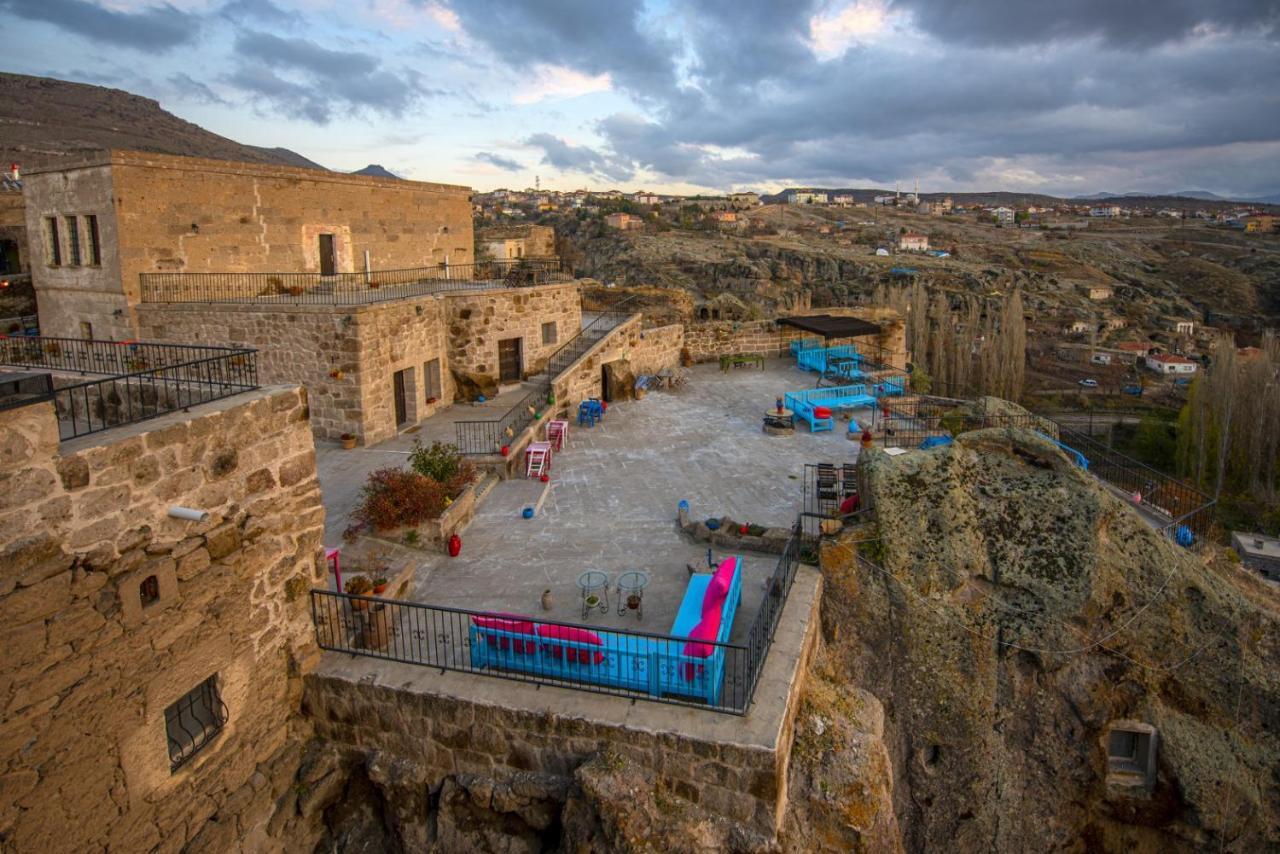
x: 42, y: 118
x: 1137, y: 200
x: 376, y: 171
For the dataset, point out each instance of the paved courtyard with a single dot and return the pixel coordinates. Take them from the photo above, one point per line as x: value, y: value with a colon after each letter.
x: 611, y: 503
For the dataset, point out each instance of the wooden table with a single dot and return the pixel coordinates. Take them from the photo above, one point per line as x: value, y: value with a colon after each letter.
x: 741, y: 360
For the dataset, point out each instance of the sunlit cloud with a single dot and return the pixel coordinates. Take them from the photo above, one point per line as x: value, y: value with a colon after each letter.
x: 836, y: 28
x: 557, y: 81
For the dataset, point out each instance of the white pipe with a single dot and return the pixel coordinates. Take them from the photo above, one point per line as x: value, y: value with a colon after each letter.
x: 189, y: 514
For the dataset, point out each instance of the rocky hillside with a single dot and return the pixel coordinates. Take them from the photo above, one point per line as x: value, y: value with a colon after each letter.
x: 1012, y: 611
x: 42, y: 118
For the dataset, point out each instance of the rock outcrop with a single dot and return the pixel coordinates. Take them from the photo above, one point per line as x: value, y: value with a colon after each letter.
x: 1013, y: 611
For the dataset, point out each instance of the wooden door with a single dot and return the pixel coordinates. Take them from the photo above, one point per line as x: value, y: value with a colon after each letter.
x: 328, y: 258
x: 402, y: 408
x: 510, y: 360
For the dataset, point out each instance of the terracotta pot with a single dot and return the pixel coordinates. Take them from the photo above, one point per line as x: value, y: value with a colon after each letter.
x: 348, y: 444
x: 379, y: 589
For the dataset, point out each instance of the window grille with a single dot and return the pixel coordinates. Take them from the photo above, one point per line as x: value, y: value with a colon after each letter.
x: 194, y: 721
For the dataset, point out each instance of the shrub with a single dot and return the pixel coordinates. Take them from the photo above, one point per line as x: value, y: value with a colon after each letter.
x: 394, y: 497
x: 358, y: 585
x: 444, y: 464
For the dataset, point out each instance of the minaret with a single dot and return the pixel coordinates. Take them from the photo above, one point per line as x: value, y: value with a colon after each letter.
x: 917, y: 189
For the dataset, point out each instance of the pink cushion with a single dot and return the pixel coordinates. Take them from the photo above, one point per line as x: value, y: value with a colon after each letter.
x: 849, y: 505
x: 569, y: 633
x: 718, y: 587
x: 514, y: 623
x: 821, y: 412
x: 706, y: 630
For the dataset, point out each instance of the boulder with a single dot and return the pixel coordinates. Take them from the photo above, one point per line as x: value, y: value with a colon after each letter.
x: 470, y: 385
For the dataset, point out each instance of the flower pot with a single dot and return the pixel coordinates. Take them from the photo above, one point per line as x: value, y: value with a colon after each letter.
x: 633, y: 602
x: 348, y: 444
x: 593, y: 601
x: 379, y: 589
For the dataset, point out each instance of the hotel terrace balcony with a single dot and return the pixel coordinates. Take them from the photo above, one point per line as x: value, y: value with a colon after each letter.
x: 359, y: 288
x: 97, y: 385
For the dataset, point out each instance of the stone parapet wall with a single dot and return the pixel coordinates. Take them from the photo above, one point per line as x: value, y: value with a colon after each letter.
x: 710, y: 340
x: 91, y: 665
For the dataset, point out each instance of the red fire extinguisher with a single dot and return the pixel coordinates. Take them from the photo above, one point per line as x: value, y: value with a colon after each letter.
x: 455, y: 545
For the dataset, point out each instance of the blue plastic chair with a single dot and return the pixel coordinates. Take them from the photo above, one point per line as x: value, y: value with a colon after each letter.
x: 597, y: 408
x: 586, y: 416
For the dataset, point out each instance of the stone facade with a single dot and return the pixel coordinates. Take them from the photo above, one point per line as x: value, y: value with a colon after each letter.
x: 96, y: 652
x: 348, y: 356
x: 707, y: 341
x: 478, y: 320
x: 158, y: 213
x: 629, y: 350
x: 511, y: 242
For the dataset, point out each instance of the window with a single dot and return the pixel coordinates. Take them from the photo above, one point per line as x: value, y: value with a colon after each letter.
x: 1131, y: 754
x: 86, y: 330
x: 95, y: 240
x: 549, y: 332
x: 431, y: 379
x: 53, y: 244
x: 73, y: 241
x: 149, y: 590
x: 193, y: 721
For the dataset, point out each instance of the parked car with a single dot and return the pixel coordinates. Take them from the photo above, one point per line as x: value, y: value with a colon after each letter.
x: 1135, y: 390
x: 1089, y: 383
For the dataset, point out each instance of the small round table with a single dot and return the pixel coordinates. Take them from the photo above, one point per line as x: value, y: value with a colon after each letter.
x: 632, y: 584
x: 779, y: 423
x: 593, y: 582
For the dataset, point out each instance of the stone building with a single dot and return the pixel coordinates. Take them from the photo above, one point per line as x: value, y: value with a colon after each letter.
x: 513, y: 242
x: 97, y: 222
x: 153, y: 665
x: 13, y: 229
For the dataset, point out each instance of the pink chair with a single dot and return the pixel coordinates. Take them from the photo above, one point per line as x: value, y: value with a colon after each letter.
x: 557, y: 433
x: 537, y: 459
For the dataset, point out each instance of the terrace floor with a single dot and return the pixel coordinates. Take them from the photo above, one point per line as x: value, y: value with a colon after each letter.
x: 611, y: 502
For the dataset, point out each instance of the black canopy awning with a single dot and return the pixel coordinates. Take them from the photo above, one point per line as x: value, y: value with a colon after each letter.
x: 831, y: 327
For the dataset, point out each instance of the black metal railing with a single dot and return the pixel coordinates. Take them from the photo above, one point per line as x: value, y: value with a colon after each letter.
x: 638, y: 665
x: 143, y: 381
x: 777, y: 589
x: 908, y: 423
x: 296, y: 288
x: 194, y: 721
x: 488, y: 437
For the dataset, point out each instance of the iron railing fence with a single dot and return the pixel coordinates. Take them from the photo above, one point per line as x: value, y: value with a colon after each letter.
x: 297, y: 288
x: 488, y: 437
x: 777, y: 589
x: 828, y: 486
x: 143, y: 381
x: 626, y: 663
x: 1184, y: 505
x: 910, y: 422
x: 88, y: 356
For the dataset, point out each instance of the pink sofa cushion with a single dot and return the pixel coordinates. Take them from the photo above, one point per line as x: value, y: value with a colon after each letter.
x: 718, y: 587
x: 706, y: 630
x: 514, y: 623
x: 569, y: 633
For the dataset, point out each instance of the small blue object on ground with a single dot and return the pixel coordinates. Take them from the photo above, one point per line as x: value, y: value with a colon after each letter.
x: 935, y: 442
x: 683, y: 505
x: 1184, y: 536
x: 527, y: 513
x: 713, y: 524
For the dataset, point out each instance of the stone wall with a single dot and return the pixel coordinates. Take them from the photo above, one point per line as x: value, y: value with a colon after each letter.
x: 13, y: 227
x: 710, y: 340
x: 89, y: 669
x: 347, y: 356
x: 158, y: 213
x: 478, y: 320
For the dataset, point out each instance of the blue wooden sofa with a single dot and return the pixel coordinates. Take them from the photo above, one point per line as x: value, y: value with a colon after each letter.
x: 859, y: 396
x: 648, y: 663
x: 843, y: 360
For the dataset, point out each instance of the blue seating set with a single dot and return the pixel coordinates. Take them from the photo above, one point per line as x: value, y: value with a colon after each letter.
x: 843, y: 361
x: 679, y: 664
x: 860, y: 396
x: 589, y: 412
x: 798, y: 345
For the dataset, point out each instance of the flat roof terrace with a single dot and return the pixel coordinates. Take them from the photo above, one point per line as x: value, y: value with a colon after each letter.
x: 611, y: 506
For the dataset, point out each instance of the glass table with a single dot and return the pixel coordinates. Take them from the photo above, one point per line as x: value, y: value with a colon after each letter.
x: 594, y: 584
x: 631, y: 587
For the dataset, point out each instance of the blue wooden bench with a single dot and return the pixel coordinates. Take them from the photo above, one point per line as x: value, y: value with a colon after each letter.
x: 656, y: 666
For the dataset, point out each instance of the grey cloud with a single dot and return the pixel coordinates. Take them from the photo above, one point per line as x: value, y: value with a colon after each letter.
x: 265, y: 11
x: 188, y: 87
x: 1128, y: 23
x: 579, y: 158
x: 334, y: 80
x: 159, y: 28
x: 498, y: 160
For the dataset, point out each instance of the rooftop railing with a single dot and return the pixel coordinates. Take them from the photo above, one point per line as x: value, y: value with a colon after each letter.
x: 721, y: 677
x: 370, y: 286
x: 141, y: 380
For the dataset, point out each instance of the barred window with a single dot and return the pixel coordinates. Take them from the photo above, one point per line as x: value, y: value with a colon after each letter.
x: 95, y: 240
x: 549, y: 332
x: 194, y: 721
x: 73, y: 241
x: 53, y: 243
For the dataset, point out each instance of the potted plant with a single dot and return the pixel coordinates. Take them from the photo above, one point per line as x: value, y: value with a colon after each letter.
x: 380, y: 585
x: 348, y: 441
x: 633, y: 601
x: 593, y: 601
x: 358, y: 585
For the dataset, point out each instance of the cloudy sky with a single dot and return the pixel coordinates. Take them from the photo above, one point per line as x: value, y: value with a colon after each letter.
x: 1060, y: 96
